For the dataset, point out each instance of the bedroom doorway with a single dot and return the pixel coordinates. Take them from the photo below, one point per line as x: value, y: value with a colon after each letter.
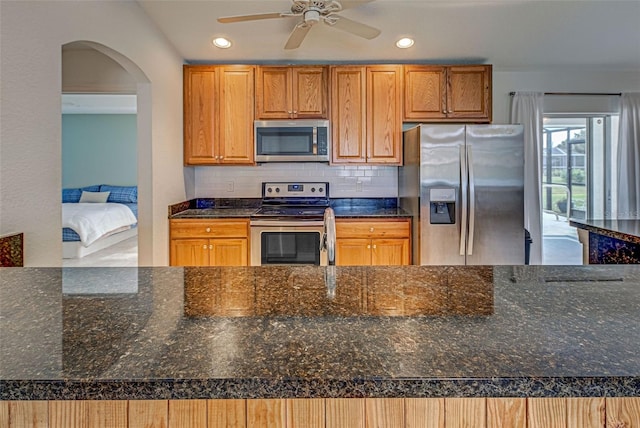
x: 99, y: 151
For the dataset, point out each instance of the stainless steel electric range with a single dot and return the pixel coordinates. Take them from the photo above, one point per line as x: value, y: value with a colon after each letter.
x: 289, y: 227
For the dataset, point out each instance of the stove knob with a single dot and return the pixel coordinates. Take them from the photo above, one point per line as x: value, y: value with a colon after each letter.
x: 320, y: 189
x: 277, y: 190
x: 313, y: 189
x: 269, y: 190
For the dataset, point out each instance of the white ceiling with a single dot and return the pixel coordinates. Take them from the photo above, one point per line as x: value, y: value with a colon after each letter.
x: 510, y: 34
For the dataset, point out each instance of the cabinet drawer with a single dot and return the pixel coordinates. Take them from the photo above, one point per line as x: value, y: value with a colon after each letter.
x: 372, y: 229
x: 209, y: 229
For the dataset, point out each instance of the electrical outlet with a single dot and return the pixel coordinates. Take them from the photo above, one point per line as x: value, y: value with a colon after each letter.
x: 358, y: 186
x: 229, y: 186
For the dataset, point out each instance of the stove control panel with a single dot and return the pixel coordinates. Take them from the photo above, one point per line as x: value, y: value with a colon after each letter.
x: 295, y: 190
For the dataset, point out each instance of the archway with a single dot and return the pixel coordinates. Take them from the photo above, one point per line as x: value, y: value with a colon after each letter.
x: 111, y: 66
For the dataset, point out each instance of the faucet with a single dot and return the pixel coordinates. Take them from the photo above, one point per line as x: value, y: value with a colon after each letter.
x: 328, y: 241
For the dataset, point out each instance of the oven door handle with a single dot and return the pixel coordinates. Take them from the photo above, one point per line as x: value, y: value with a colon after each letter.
x: 286, y: 223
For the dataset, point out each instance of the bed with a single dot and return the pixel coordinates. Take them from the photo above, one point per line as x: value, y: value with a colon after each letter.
x: 96, y: 217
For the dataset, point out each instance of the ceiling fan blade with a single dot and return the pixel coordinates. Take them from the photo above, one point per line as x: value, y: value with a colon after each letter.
x: 297, y: 36
x: 353, y: 27
x: 240, y: 18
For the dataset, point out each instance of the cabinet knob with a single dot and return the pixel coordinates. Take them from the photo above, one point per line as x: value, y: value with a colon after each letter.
x: 210, y: 247
x: 371, y: 229
x: 204, y: 247
x: 368, y: 246
x: 215, y: 157
x: 208, y: 229
x: 450, y: 111
x: 374, y: 246
x: 221, y: 157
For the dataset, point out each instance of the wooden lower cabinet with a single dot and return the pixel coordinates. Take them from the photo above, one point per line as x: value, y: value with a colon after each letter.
x: 330, y: 413
x: 209, y: 242
x: 373, y: 243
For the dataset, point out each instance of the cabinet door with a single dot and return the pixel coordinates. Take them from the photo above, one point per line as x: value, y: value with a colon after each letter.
x: 469, y: 92
x: 236, y: 115
x: 348, y: 114
x: 390, y: 252
x: 384, y: 114
x: 309, y: 96
x: 229, y: 252
x: 353, y: 252
x: 273, y: 93
x: 200, y: 111
x: 189, y: 252
x: 424, y: 92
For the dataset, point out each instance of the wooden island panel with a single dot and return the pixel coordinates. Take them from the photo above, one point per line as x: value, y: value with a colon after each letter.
x: 329, y: 412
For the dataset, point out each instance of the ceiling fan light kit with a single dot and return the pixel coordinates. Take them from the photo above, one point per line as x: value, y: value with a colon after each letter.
x: 312, y: 12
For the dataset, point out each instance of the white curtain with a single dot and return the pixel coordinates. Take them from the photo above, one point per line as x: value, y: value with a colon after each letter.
x: 527, y: 108
x: 629, y: 157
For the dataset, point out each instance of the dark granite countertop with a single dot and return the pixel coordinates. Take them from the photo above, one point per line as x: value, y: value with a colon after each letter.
x: 416, y: 331
x: 626, y: 230
x: 204, y: 208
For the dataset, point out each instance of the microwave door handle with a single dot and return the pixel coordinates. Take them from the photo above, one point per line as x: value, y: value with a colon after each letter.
x: 315, y: 141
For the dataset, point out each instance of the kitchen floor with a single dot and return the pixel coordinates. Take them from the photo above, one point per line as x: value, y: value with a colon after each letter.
x: 122, y: 254
x: 560, y: 241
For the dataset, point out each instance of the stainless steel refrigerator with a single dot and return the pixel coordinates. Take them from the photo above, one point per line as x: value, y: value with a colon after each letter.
x: 464, y: 186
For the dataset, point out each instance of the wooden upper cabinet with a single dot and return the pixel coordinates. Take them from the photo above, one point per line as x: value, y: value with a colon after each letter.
x: 348, y: 113
x: 236, y: 143
x: 447, y: 93
x: 384, y: 114
x: 218, y: 115
x: 292, y: 92
x: 200, y: 112
x: 366, y: 114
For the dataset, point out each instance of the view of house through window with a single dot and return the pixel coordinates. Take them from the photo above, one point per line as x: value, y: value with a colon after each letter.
x: 578, y: 179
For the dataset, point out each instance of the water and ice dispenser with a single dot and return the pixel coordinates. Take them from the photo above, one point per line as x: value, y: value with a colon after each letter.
x: 442, y: 205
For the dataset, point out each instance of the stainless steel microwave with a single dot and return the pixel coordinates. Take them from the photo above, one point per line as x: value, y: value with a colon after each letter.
x: 300, y: 140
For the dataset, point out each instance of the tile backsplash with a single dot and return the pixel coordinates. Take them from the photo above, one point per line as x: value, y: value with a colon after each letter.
x: 345, y: 181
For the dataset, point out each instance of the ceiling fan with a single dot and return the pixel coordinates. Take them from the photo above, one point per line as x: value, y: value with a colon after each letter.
x: 312, y: 12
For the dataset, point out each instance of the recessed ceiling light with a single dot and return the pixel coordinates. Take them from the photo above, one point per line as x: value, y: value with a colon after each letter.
x: 404, y: 43
x: 221, y: 42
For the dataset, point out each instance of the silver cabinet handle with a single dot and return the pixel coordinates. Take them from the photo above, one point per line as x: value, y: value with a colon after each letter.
x: 463, y: 196
x: 472, y: 201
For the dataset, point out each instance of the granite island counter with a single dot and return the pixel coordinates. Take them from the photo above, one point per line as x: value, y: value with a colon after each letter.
x: 609, y: 241
x: 276, y: 345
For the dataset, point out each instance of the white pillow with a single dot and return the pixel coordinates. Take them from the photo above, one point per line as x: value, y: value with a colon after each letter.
x: 100, y: 197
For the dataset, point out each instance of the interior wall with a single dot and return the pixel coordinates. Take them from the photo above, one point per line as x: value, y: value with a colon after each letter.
x: 86, y: 70
x: 99, y: 149
x: 598, y: 81
x: 32, y: 35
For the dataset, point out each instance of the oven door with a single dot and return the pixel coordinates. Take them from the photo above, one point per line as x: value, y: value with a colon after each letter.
x: 284, y: 242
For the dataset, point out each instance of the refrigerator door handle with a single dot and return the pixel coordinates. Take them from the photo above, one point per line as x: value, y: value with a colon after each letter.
x: 472, y: 201
x: 463, y: 197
